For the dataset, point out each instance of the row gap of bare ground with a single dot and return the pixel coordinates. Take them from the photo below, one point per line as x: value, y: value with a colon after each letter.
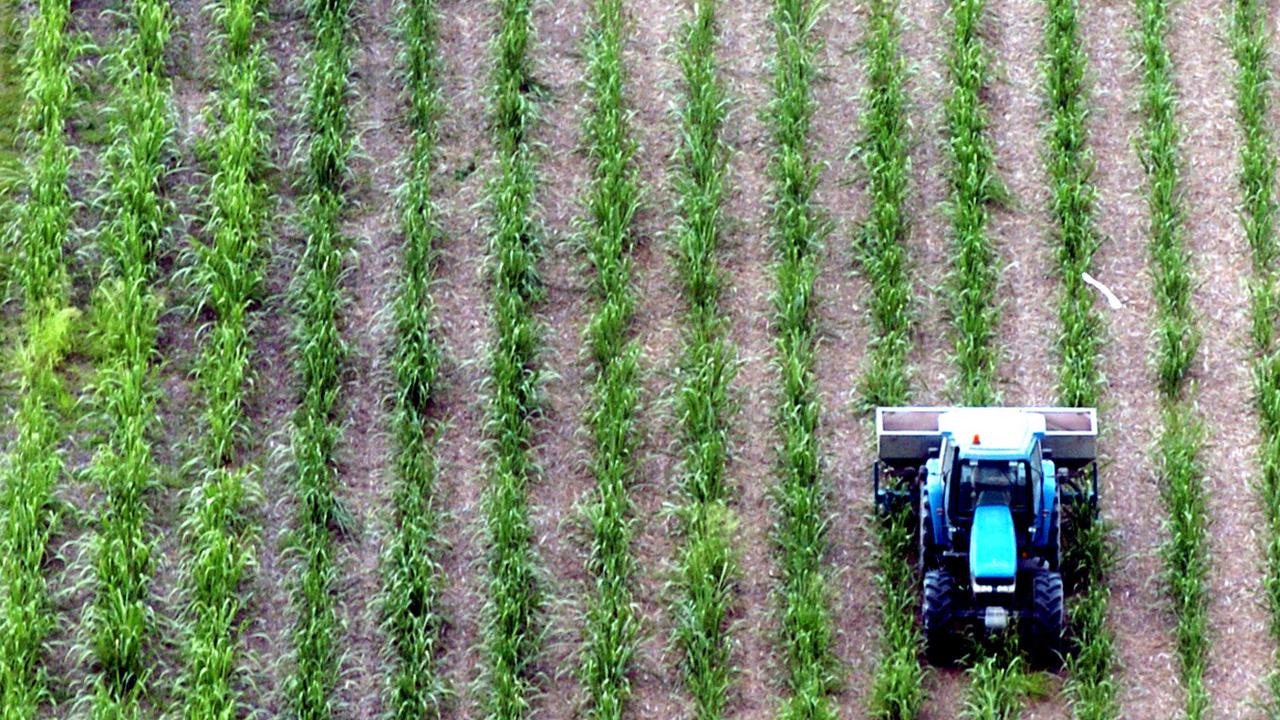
x: 462, y: 301
x: 841, y: 320
x: 273, y: 397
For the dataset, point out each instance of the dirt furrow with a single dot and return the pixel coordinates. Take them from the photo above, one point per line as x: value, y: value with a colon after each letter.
x: 843, y: 333
x: 1028, y: 289
x: 271, y: 402
x: 1242, y: 650
x: 653, y: 31
x: 746, y: 44
x: 177, y: 346
x: 1142, y: 621
x: 364, y: 456
x: 462, y: 301
x: 562, y: 444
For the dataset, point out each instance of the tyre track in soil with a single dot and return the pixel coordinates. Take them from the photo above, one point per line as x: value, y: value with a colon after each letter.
x: 1148, y: 688
x: 841, y: 355
x: 364, y: 452
x: 925, y: 30
x: 562, y: 442
x: 273, y: 398
x: 745, y: 45
x: 462, y: 297
x: 1241, y: 653
x: 652, y: 33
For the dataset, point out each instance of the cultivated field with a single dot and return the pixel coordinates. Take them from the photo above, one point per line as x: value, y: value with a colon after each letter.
x: 514, y: 358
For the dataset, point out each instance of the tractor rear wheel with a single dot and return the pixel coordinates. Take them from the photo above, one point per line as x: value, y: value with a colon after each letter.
x: 942, y: 605
x: 1045, y: 621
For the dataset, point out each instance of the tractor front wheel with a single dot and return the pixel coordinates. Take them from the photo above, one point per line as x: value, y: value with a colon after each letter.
x: 942, y: 605
x: 1045, y: 621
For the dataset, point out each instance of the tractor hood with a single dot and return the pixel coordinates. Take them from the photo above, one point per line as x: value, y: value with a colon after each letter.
x: 993, y: 548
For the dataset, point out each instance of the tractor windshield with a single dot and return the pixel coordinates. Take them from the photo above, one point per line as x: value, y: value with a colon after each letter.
x: 1000, y: 476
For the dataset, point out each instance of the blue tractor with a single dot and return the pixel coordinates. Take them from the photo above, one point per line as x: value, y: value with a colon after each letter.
x: 993, y: 490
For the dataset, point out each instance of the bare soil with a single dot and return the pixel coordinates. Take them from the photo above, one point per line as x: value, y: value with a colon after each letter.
x: 841, y: 319
x: 275, y: 391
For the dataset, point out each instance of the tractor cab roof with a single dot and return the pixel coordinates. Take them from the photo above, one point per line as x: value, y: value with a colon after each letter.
x: 992, y: 433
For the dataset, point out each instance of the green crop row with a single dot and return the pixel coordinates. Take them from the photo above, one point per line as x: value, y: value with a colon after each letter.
x: 320, y: 352
x: 1069, y: 163
x: 1251, y: 45
x: 897, y: 690
x: 412, y: 574
x: 707, y: 566
x: 881, y: 244
x: 1176, y: 342
x: 612, y: 625
x: 974, y: 187
x: 511, y: 627
x: 227, y: 279
x: 120, y: 617
x: 800, y: 493
x: 34, y: 465
x: 998, y: 685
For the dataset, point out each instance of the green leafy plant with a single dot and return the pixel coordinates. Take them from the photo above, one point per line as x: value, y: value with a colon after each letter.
x: 119, y: 618
x: 897, y: 689
x: 511, y: 630
x: 974, y: 187
x: 800, y: 493
x: 411, y: 570
x: 227, y: 277
x: 612, y: 200
x: 1177, y: 339
x: 706, y: 567
x: 320, y: 352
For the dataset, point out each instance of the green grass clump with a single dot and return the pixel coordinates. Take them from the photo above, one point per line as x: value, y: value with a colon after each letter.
x: 800, y: 493
x: 707, y: 566
x: 974, y: 187
x: 897, y: 689
x: 120, y: 618
x: 1176, y: 342
x: 611, y: 623
x: 1069, y: 161
x: 320, y: 352
x: 998, y: 685
x: 227, y: 279
x: 881, y: 246
x: 34, y: 465
x: 511, y: 632
x: 1251, y: 47
x: 411, y: 570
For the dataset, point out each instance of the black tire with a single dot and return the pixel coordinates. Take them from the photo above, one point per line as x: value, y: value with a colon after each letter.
x: 942, y: 605
x: 927, y: 550
x: 1045, y: 621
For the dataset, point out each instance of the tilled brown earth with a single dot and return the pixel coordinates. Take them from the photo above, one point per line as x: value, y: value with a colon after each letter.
x: 462, y: 301
x: 841, y: 318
